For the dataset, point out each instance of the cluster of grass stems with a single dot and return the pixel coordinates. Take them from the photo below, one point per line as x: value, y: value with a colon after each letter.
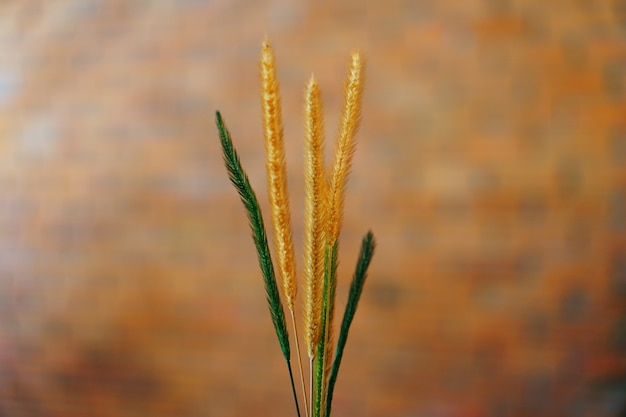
x: 325, y: 195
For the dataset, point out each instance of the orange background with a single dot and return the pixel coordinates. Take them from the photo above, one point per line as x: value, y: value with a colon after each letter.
x: 490, y: 166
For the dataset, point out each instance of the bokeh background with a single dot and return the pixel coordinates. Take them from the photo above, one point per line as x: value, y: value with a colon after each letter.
x: 491, y: 166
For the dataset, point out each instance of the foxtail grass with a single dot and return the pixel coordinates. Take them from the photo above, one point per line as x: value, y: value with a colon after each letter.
x: 314, y: 215
x: 239, y: 179
x: 346, y: 145
x: 277, y: 189
x: 314, y: 220
x: 325, y: 189
x: 277, y: 175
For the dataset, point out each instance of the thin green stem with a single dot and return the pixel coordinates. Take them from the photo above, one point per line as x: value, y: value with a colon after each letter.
x: 321, y: 359
x: 321, y: 346
x: 293, y: 387
x: 295, y: 335
x: 311, y: 385
x: 356, y: 288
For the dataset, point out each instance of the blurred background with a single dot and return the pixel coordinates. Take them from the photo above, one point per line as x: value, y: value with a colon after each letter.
x: 491, y: 166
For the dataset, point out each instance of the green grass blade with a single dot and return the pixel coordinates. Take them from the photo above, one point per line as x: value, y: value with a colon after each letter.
x: 240, y: 180
x: 356, y: 288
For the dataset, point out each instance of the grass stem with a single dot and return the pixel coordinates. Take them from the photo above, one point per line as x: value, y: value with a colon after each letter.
x: 311, y: 359
x: 295, y: 333
x: 293, y: 387
x: 356, y: 288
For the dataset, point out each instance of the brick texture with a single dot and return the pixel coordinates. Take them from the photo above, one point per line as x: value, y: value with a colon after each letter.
x: 491, y: 166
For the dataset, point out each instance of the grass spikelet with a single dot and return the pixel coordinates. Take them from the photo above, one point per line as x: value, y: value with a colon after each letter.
x: 276, y: 174
x: 315, y: 215
x: 356, y: 288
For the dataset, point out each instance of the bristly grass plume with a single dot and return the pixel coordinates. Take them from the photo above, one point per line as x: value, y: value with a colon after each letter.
x: 240, y: 180
x: 324, y: 203
x: 315, y: 211
x: 277, y: 189
x: 277, y: 174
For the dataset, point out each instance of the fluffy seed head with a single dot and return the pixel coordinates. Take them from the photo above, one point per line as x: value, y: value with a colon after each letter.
x: 276, y: 174
x: 346, y: 143
x: 315, y: 215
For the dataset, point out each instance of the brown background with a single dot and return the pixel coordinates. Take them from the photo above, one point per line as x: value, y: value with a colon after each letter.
x: 490, y: 165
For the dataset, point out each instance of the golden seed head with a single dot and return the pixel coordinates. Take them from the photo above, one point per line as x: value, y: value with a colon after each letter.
x: 276, y: 174
x: 346, y: 143
x: 315, y: 214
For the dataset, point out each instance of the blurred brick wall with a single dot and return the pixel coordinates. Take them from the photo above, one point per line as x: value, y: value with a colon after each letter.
x: 491, y: 166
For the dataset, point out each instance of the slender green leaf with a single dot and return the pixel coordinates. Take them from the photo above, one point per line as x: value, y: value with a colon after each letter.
x: 356, y: 288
